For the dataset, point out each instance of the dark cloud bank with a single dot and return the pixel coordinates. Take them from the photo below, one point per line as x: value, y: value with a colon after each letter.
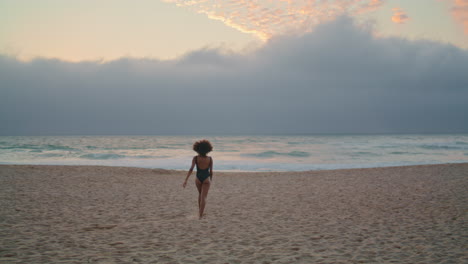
x: 337, y: 79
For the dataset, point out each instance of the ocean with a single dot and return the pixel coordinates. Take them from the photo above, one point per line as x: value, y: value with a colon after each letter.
x: 238, y: 153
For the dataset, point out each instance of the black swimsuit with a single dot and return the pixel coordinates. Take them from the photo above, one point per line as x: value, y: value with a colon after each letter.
x: 202, y: 175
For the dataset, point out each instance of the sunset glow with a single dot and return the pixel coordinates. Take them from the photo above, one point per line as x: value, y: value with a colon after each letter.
x: 166, y: 29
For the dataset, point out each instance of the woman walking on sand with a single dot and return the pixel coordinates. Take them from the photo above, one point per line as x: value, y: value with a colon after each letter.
x: 204, y: 170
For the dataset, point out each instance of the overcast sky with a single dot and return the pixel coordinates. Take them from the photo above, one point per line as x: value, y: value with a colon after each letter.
x: 339, y: 78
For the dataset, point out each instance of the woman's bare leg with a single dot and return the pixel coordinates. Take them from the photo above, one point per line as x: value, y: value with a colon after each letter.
x: 199, y: 188
x: 204, y: 193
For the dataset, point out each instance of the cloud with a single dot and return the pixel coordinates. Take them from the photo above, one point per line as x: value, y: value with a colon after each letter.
x: 399, y: 16
x: 338, y: 78
x: 265, y: 18
x: 460, y: 13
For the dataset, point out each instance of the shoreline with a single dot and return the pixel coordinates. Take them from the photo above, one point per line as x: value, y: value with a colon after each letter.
x: 233, y: 171
x: 101, y: 214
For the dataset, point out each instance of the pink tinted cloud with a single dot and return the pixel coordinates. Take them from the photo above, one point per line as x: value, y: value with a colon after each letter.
x: 267, y: 18
x: 460, y: 13
x: 399, y: 16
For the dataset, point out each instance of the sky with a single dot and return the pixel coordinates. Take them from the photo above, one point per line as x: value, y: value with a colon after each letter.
x: 166, y: 29
x: 233, y: 67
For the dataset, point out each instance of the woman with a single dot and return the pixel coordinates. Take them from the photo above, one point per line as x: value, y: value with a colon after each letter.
x: 204, y: 170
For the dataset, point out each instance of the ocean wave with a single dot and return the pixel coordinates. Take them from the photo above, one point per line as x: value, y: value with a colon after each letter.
x: 22, y: 146
x: 132, y: 148
x: 91, y: 147
x: 122, y: 148
x: 149, y: 157
x: 58, y: 147
x: 442, y: 146
x: 365, y: 153
x: 405, y: 153
x: 110, y: 156
x: 144, y: 157
x: 51, y: 155
x: 388, y: 146
x: 270, y: 154
x: 38, y: 147
x: 399, y: 152
x: 227, y: 150
x: 102, y: 156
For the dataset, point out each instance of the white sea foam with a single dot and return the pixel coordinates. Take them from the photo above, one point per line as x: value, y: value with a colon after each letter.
x: 239, y: 153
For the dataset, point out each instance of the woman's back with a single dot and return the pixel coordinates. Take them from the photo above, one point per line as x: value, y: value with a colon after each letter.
x: 203, y: 162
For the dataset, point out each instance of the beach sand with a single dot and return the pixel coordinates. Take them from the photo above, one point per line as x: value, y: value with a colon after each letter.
x: 91, y: 214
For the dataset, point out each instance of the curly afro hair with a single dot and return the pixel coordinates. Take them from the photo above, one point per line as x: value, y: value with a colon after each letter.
x: 202, y: 147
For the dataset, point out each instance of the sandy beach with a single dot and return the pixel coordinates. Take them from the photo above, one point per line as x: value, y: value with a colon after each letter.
x: 91, y: 214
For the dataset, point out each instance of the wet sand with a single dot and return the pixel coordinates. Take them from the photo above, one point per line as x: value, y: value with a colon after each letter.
x: 91, y: 214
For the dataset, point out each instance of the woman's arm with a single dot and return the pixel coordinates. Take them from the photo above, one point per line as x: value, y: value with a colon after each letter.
x: 211, y: 169
x: 189, y: 172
